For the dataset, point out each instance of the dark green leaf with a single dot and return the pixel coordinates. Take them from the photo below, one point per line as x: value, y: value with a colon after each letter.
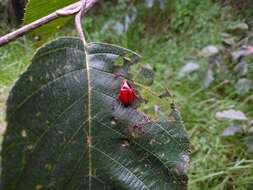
x: 67, y: 130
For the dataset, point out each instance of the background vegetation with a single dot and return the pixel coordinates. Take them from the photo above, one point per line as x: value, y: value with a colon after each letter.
x: 169, y: 35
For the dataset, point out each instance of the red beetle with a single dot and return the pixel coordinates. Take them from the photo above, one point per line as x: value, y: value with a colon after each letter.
x: 127, y: 94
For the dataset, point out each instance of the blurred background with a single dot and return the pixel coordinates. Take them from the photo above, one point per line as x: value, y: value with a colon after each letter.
x: 201, y: 50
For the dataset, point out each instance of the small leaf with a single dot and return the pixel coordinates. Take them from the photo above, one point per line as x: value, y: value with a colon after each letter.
x: 231, y: 114
x: 241, y: 69
x: 36, y: 9
x: 188, y: 68
x: 209, y: 51
x: 232, y: 130
x: 238, y: 28
x: 243, y: 86
x: 237, y: 55
x: 230, y: 41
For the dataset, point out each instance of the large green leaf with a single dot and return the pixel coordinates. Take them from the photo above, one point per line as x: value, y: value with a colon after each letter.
x: 36, y: 9
x: 67, y: 130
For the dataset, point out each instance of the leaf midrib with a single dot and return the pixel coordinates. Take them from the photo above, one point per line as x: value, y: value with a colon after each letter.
x: 89, y: 138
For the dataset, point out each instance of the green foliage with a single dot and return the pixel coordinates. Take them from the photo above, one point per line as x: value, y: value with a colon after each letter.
x: 193, y: 13
x: 13, y: 60
x: 36, y: 9
x: 66, y: 128
x: 241, y: 7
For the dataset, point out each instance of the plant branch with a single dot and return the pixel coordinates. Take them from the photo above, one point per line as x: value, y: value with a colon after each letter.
x: 78, y: 22
x: 74, y: 8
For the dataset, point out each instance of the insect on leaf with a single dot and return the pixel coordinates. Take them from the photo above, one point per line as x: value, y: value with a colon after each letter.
x: 67, y: 130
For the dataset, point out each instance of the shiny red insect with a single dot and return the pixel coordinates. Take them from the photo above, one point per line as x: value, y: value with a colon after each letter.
x: 127, y: 94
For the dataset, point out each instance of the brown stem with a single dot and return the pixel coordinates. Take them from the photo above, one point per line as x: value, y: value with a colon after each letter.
x: 66, y: 11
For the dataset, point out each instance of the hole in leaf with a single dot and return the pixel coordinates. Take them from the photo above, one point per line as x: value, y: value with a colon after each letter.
x: 39, y: 187
x: 23, y: 133
x: 124, y: 143
x: 119, y: 61
x: 146, y: 75
x: 114, y: 121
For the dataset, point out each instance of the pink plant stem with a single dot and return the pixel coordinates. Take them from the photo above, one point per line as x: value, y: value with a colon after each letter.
x: 66, y: 11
